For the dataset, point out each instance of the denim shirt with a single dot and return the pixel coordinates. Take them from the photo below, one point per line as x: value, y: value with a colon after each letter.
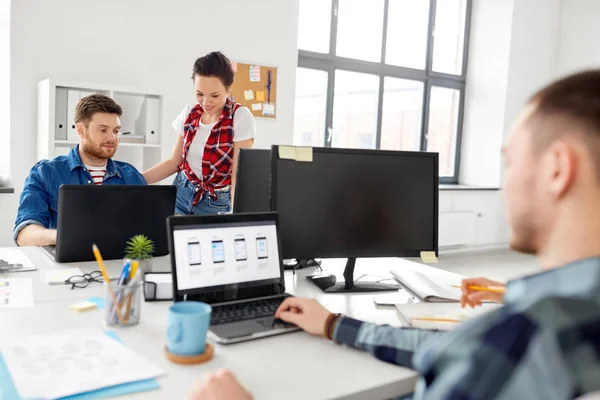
x: 39, y: 200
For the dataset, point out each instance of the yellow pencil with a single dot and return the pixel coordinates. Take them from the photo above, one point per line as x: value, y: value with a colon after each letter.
x: 435, y: 319
x: 495, y: 289
x: 107, y: 280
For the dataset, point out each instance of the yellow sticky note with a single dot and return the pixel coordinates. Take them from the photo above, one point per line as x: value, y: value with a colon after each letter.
x: 429, y: 257
x: 304, y: 154
x: 83, y: 306
x: 260, y: 96
x: 287, y: 152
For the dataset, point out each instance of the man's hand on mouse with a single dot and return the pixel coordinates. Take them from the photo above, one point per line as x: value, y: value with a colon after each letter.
x: 307, y: 314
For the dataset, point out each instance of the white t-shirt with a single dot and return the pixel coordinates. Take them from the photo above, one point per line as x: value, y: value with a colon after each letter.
x: 243, y: 129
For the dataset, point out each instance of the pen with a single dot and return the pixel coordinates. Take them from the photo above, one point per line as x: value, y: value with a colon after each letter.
x: 106, y: 279
x: 494, y: 289
x: 121, y: 282
x: 133, y: 283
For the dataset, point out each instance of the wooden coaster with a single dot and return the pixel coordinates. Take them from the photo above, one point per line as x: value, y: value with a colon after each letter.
x: 209, y: 351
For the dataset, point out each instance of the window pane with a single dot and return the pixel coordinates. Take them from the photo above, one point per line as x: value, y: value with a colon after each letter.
x: 355, y: 110
x: 309, y: 112
x: 401, y: 118
x: 314, y: 25
x: 406, y: 43
x: 360, y: 27
x: 443, y: 125
x: 449, y: 36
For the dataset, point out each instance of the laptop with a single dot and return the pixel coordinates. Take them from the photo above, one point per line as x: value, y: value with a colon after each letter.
x: 232, y: 262
x: 109, y: 215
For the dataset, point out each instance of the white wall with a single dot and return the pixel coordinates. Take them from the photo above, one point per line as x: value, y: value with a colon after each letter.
x: 512, y: 53
x: 533, y: 52
x: 148, y: 44
x: 578, y: 46
x: 5, y: 87
x: 485, y: 93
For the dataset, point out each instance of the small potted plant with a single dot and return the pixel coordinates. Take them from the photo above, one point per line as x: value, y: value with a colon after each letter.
x: 141, y: 248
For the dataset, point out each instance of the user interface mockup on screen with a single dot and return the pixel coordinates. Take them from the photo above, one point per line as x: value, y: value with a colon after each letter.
x: 223, y: 254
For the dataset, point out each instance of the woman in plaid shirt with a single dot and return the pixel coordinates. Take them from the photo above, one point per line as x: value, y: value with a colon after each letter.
x: 211, y: 133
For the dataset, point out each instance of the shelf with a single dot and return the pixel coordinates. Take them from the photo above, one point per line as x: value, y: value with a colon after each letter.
x: 67, y: 143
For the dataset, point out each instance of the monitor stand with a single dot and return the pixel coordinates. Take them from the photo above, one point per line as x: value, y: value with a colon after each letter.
x: 328, y: 283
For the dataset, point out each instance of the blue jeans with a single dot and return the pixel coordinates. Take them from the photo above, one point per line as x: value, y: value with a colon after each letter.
x: 185, y: 196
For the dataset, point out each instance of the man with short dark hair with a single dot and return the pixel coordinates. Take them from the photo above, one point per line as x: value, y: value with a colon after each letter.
x: 544, y: 343
x: 97, y: 120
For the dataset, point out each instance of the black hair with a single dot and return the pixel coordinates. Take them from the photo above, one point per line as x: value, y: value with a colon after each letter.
x: 215, y: 64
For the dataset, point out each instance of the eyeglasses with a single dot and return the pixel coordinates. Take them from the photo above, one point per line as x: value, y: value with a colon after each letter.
x: 82, y: 281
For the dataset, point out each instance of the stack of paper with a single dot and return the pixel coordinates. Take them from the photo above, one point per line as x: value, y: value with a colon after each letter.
x: 72, y: 362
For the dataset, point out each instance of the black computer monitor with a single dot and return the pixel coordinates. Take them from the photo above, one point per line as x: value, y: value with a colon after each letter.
x: 347, y: 203
x: 253, y: 180
x: 108, y: 216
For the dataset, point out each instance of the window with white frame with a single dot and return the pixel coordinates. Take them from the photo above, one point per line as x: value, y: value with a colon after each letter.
x: 383, y: 74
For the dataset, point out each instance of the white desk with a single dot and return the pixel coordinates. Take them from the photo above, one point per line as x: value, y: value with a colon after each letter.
x: 290, y: 366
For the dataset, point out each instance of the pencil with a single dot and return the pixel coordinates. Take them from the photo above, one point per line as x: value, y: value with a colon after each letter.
x: 494, y: 289
x: 435, y: 319
x: 107, y: 280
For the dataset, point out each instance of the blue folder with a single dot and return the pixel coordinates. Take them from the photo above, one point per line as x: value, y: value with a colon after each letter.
x: 9, y: 392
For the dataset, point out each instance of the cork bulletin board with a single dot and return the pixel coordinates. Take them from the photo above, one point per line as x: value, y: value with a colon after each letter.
x: 255, y: 86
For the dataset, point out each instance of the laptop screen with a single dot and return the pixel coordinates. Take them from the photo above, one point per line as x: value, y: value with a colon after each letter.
x: 222, y: 254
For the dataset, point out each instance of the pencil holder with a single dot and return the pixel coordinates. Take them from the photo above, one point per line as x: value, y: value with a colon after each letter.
x: 122, y: 303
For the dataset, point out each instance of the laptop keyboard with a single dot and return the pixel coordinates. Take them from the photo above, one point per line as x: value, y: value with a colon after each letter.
x: 244, y: 311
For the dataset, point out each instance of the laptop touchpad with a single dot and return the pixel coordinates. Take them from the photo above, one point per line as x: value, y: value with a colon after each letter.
x: 244, y: 328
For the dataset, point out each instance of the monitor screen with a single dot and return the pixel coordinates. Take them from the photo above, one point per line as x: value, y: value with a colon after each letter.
x: 356, y: 203
x: 209, y: 256
x: 253, y: 180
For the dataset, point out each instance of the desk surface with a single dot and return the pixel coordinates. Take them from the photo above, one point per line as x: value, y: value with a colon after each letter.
x: 291, y: 366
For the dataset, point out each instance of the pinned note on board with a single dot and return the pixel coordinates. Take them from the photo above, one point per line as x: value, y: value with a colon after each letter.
x: 287, y: 152
x: 269, y: 109
x: 254, y: 73
x: 256, y: 106
x: 260, y: 95
x: 429, y: 257
x: 248, y: 94
x: 304, y: 154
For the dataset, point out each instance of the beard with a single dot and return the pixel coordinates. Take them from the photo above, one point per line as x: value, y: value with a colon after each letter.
x: 94, y: 150
x: 523, y: 235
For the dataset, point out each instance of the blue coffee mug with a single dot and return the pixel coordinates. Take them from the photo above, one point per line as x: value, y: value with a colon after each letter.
x: 187, y: 326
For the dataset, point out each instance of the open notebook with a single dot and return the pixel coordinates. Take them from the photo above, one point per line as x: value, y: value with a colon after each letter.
x: 439, y: 316
x: 432, y: 285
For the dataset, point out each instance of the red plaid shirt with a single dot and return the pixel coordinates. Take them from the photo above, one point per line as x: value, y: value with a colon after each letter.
x: 217, y: 159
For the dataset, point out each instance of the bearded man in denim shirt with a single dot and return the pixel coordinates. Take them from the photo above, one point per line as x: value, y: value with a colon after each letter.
x: 97, y: 121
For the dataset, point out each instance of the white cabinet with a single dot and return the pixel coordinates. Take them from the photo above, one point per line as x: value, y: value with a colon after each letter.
x: 141, y: 122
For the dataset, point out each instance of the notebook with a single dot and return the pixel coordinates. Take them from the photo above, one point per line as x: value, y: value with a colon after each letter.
x: 432, y: 285
x: 447, y: 311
